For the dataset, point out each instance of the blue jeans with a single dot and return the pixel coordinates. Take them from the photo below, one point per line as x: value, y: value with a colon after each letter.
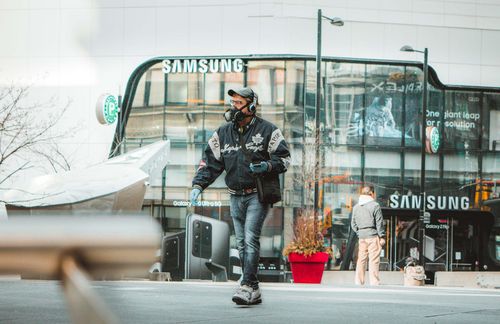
x: 248, y: 215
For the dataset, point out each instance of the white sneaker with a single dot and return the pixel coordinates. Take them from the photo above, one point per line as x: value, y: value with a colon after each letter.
x: 246, y: 295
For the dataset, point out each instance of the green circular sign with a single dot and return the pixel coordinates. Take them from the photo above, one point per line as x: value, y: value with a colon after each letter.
x: 435, y: 139
x: 107, y: 109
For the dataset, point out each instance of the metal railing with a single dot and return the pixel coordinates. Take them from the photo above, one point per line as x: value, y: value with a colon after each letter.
x: 76, y: 250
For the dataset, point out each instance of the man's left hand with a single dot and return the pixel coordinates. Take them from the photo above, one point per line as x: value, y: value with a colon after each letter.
x: 260, y: 167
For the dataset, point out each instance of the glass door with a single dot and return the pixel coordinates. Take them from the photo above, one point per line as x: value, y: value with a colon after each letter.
x: 436, y: 243
x: 464, y: 244
x: 386, y: 255
x: 404, y: 241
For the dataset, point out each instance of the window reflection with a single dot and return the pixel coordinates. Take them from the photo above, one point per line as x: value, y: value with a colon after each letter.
x: 339, y: 185
x: 267, y: 79
x: 462, y: 120
x: 177, y: 88
x: 383, y: 171
x: 344, y: 103
x: 146, y: 120
x: 413, y: 87
x: 491, y: 120
x: 460, y: 174
x: 370, y: 133
x: 383, y: 107
x: 293, y: 128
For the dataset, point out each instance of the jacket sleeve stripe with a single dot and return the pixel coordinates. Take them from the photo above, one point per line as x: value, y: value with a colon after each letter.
x: 214, y: 144
x: 274, y: 142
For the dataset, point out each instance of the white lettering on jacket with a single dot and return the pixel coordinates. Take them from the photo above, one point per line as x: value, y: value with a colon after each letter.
x: 214, y: 144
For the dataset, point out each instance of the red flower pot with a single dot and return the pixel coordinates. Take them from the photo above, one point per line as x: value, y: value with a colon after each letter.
x: 307, y: 269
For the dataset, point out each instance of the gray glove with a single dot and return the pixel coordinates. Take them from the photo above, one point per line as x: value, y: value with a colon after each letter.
x: 195, y: 193
x: 260, y: 167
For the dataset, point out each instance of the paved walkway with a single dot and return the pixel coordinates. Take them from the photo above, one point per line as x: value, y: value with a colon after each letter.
x: 27, y: 301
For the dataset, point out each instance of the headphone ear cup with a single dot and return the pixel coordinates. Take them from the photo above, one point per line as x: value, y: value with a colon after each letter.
x: 253, y: 106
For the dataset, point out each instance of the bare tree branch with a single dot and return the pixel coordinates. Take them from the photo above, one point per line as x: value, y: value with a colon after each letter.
x: 21, y: 168
x: 28, y: 130
x: 53, y: 155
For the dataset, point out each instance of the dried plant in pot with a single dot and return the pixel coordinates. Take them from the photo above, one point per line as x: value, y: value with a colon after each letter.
x: 306, y: 252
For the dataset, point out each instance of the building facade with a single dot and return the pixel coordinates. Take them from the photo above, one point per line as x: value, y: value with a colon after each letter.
x: 370, y: 122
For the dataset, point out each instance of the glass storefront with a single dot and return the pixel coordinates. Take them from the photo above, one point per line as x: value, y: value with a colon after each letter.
x: 370, y: 132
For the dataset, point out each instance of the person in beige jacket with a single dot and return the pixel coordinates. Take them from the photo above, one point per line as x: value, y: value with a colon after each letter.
x: 368, y: 223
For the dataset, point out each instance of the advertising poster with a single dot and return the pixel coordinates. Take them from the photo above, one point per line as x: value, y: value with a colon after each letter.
x: 453, y: 121
x: 380, y: 119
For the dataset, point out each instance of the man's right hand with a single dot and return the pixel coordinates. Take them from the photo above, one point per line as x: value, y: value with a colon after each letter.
x: 259, y: 167
x: 382, y: 241
x: 195, y: 193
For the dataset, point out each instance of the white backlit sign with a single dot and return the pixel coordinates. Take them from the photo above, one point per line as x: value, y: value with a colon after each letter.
x: 203, y: 203
x: 202, y: 66
x: 432, y: 202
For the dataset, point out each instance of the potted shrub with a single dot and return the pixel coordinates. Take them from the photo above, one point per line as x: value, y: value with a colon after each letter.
x: 306, y: 252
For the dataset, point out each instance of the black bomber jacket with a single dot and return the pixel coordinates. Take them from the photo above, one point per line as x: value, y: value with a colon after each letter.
x: 264, y: 142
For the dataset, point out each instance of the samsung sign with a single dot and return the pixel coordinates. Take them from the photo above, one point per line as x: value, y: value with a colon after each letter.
x: 431, y: 202
x: 202, y: 66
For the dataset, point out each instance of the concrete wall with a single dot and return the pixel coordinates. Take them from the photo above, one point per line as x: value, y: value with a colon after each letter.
x: 465, y: 279
x: 347, y: 278
x: 468, y: 279
x: 77, y: 49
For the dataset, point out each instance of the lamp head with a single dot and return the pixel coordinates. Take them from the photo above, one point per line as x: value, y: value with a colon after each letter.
x: 336, y: 21
x: 407, y: 48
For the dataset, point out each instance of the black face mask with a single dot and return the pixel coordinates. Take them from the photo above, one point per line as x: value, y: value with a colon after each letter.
x: 234, y: 115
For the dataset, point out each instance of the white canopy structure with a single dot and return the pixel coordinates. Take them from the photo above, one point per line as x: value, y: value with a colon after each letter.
x: 119, y: 184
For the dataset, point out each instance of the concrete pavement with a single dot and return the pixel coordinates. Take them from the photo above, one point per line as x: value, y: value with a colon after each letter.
x: 38, y: 301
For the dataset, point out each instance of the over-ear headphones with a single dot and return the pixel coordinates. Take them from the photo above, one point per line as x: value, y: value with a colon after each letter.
x: 253, y: 106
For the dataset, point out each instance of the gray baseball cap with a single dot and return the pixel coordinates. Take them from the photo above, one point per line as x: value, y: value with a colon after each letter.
x: 244, y: 92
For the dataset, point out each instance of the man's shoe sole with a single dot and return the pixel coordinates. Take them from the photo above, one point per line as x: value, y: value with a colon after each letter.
x: 258, y: 301
x: 240, y: 301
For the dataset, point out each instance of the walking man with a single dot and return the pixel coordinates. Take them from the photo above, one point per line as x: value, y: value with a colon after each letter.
x: 368, y: 223
x: 246, y: 147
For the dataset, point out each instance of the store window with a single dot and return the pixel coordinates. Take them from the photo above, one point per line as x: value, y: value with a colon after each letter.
x: 267, y: 79
x: 370, y: 132
x: 293, y: 128
x: 411, y: 176
x: 345, y: 92
x: 460, y: 171
x: 435, y: 113
x: 490, y: 176
x: 214, y: 89
x: 156, y: 87
x: 145, y: 123
x: 383, y: 171
x: 310, y: 100
x: 383, y: 105
x: 491, y: 120
x: 340, y: 178
x: 213, y: 102
x: 462, y: 120
x: 413, y: 87
x: 340, y: 187
x: 184, y: 116
x: 177, y: 88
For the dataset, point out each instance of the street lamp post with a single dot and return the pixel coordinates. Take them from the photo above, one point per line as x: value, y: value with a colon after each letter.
x: 336, y: 22
x: 423, y: 218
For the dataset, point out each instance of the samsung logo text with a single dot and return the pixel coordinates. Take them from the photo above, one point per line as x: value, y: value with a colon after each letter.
x: 202, y: 66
